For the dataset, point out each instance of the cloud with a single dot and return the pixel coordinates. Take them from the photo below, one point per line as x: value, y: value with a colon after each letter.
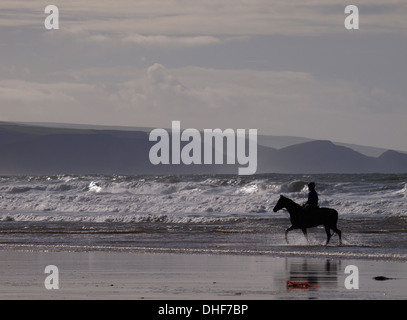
x: 17, y: 91
x: 210, y: 18
x: 260, y: 99
x: 157, y: 75
x: 55, y: 102
x: 284, y: 67
x: 171, y: 41
x: 293, y: 103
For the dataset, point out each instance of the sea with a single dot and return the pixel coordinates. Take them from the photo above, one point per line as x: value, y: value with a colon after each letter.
x: 209, y: 214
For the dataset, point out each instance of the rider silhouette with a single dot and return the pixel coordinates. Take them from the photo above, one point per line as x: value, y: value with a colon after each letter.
x: 312, y: 203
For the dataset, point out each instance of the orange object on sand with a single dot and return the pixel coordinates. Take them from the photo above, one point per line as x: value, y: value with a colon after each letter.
x: 300, y: 285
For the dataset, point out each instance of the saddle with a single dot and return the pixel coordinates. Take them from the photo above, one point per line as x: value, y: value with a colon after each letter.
x: 309, y: 210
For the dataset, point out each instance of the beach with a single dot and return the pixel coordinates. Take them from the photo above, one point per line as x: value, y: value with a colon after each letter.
x: 199, y: 238
x: 180, y: 151
x: 133, y: 275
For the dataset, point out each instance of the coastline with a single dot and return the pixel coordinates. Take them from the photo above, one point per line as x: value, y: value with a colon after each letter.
x: 132, y: 275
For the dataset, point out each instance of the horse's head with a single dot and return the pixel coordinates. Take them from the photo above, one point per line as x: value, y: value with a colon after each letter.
x: 280, y: 204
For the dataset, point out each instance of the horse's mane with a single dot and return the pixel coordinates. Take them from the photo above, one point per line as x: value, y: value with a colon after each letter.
x: 292, y: 201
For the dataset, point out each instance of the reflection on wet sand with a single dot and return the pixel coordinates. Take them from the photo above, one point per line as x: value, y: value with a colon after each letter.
x: 316, y: 273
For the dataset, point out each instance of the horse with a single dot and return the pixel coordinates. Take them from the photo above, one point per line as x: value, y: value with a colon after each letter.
x: 301, y: 220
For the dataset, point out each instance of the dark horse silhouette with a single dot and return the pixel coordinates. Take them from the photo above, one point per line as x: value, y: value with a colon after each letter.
x: 301, y: 220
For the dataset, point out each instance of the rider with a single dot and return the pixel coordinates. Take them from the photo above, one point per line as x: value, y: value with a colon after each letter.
x: 312, y: 202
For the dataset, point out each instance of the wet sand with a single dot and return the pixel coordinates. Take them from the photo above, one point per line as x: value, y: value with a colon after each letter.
x: 172, y: 276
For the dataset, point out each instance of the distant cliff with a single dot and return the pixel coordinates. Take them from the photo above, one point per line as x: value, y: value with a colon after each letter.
x: 36, y: 150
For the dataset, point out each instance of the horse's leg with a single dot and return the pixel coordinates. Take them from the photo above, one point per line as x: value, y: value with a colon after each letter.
x: 328, y: 234
x: 304, y: 231
x: 335, y: 229
x: 286, y: 232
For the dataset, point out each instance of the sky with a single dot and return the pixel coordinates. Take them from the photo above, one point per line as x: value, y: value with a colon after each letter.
x: 281, y: 67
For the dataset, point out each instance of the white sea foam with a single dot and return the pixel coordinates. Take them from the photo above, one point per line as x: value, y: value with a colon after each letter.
x: 215, y: 213
x: 350, y: 195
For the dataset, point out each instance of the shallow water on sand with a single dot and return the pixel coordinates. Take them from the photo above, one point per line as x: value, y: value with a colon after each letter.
x: 129, y: 275
x: 361, y: 238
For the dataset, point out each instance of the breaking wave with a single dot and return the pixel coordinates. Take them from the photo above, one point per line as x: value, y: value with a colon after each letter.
x: 204, y: 195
